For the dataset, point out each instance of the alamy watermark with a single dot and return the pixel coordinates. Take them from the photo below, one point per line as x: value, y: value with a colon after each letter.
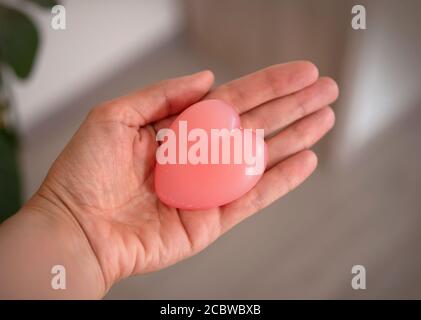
x: 358, y: 281
x: 223, y: 146
x: 58, y: 281
x: 359, y: 19
x: 58, y: 19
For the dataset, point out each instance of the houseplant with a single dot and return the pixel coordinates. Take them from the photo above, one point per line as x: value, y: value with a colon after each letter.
x: 19, y: 42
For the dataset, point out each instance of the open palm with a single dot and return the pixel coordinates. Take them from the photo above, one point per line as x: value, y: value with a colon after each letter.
x: 105, y: 175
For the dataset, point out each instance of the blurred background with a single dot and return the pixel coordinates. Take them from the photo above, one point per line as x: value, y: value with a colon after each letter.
x: 361, y: 207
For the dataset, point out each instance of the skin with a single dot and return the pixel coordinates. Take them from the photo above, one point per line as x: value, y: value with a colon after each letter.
x: 97, y: 214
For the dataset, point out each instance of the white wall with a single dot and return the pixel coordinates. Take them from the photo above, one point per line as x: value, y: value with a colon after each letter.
x: 101, y: 36
x: 382, y: 75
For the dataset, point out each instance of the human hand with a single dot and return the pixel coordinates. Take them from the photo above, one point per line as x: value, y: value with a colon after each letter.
x: 104, y: 179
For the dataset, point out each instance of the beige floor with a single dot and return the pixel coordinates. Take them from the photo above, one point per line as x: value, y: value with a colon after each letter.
x: 303, y: 246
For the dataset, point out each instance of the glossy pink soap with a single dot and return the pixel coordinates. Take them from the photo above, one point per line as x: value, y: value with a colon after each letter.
x: 204, y: 186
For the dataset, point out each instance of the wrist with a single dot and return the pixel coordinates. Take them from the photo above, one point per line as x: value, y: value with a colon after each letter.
x: 44, y: 234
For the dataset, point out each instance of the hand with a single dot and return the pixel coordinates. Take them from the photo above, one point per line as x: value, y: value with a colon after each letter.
x: 104, y: 177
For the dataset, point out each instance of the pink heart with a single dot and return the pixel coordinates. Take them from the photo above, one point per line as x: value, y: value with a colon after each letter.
x: 187, y: 184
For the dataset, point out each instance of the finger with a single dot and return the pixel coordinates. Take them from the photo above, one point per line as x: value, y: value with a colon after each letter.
x: 274, y: 184
x: 276, y: 81
x: 281, y: 112
x: 301, y: 135
x: 160, y: 100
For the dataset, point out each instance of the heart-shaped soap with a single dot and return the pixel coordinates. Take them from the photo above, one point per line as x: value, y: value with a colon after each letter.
x: 196, y: 168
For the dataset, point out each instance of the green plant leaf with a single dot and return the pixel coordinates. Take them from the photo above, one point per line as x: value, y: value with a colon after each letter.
x: 10, y: 197
x: 18, y: 41
x: 44, y: 3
